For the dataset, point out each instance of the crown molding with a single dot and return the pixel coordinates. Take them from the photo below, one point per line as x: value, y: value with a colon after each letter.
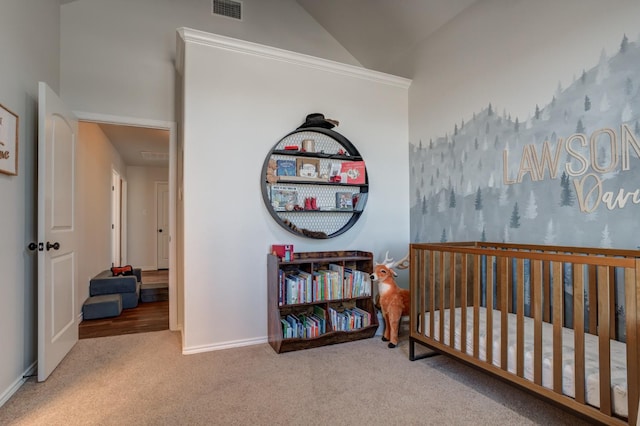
x: 189, y: 35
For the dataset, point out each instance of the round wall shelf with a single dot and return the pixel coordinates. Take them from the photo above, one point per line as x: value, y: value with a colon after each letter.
x: 315, y: 183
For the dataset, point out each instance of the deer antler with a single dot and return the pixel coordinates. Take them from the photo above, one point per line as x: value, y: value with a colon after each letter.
x: 388, y: 261
x: 403, y: 263
x: 400, y: 264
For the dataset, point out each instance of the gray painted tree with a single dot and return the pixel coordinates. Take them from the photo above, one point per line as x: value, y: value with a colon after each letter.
x: 515, y: 217
x: 566, y: 196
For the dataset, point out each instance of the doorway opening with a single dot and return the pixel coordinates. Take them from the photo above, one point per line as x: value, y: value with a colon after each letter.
x: 143, y: 188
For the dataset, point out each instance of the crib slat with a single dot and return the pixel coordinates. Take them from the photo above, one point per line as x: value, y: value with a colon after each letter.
x: 432, y: 293
x: 463, y: 302
x: 536, y: 278
x: 558, y: 291
x: 442, y: 295
x: 604, y: 350
x: 476, y: 305
x: 422, y: 284
x: 503, y: 263
x: 632, y: 303
x: 520, y: 317
x: 578, y: 331
x: 452, y: 299
x: 593, y: 296
x: 488, y: 344
x: 510, y: 288
x: 612, y: 298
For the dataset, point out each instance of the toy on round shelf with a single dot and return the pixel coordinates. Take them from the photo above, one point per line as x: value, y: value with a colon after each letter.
x: 271, y: 171
x: 311, y: 203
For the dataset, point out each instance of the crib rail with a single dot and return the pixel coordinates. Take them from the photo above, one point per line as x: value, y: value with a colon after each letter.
x: 552, y: 286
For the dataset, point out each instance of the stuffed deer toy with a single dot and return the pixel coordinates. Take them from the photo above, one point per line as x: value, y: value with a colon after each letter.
x: 394, y: 301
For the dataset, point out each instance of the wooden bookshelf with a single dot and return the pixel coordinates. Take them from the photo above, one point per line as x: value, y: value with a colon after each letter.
x: 312, y: 262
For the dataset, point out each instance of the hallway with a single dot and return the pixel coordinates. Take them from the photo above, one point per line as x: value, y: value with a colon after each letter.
x: 150, y: 316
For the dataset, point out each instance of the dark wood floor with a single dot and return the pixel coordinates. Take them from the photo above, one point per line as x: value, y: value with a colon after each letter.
x: 145, y: 317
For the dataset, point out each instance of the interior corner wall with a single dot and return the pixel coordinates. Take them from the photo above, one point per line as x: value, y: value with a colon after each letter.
x: 142, y: 215
x: 96, y: 158
x: 237, y: 105
x: 506, y: 78
x: 29, y: 42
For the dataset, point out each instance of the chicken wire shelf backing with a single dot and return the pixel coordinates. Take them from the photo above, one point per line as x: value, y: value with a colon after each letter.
x: 327, y: 217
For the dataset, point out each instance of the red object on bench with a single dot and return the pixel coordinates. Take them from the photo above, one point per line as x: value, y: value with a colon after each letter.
x: 122, y: 270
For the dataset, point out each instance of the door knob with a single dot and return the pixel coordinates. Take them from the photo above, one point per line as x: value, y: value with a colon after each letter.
x: 54, y: 246
x: 159, y: 230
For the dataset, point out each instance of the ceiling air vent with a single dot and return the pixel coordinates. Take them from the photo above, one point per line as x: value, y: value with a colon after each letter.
x: 228, y: 8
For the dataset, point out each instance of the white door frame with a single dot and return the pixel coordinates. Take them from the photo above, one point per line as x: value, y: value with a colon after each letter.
x: 159, y: 226
x: 123, y: 222
x: 173, y: 150
x: 116, y: 219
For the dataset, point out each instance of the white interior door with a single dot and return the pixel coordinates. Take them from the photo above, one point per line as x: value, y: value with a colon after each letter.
x: 57, y: 257
x: 162, y: 211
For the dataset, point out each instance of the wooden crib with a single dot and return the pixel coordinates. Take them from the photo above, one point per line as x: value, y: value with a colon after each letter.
x: 566, y: 342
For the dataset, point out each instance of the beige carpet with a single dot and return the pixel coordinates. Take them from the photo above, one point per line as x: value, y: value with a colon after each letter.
x: 143, y: 379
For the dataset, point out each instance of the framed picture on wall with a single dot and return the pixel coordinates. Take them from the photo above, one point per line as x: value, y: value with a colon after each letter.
x: 8, y: 142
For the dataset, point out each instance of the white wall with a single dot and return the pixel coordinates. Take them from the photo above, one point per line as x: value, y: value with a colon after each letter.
x: 142, y: 215
x: 113, y: 49
x: 96, y: 159
x: 231, y: 123
x: 29, y: 42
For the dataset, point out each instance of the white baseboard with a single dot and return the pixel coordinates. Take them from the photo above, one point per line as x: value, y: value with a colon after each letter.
x: 7, y: 394
x: 226, y: 345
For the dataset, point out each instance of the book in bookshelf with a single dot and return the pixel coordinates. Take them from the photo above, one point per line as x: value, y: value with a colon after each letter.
x: 353, y: 172
x: 344, y: 200
x: 359, y: 201
x: 308, y: 167
x: 286, y: 167
x: 283, y: 196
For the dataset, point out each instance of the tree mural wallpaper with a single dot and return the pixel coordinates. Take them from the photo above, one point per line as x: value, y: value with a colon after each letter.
x: 568, y: 174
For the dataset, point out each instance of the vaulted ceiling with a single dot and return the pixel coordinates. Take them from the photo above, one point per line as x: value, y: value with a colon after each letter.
x: 376, y: 33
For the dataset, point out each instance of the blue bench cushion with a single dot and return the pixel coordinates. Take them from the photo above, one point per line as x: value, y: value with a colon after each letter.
x: 128, y: 287
x: 103, y: 306
x: 105, y: 283
x: 130, y: 300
